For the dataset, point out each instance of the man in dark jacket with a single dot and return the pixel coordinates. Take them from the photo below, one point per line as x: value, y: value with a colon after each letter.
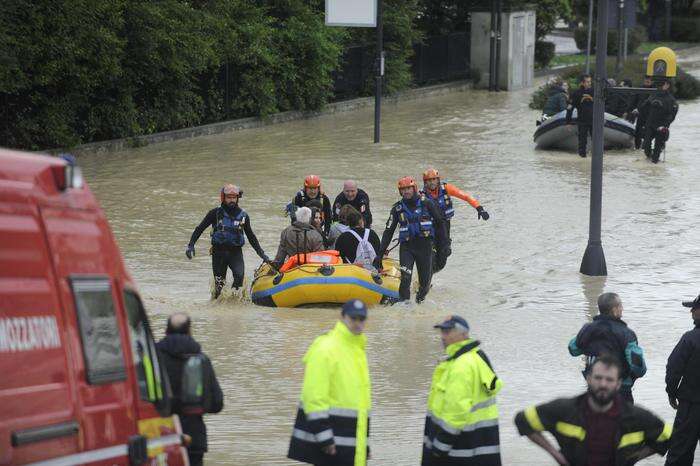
x: 598, y: 427
x: 177, y: 346
x: 608, y: 333
x: 229, y: 223
x: 662, y: 107
x: 355, y: 197
x: 641, y: 112
x: 683, y: 388
x: 582, y: 101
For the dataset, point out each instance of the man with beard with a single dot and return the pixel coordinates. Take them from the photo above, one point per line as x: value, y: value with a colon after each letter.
x: 596, y: 428
x: 683, y: 388
x: 229, y: 223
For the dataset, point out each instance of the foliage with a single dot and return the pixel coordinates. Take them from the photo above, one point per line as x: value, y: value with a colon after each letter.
x: 685, y: 86
x: 685, y: 28
x: 544, y: 53
x: 635, y: 37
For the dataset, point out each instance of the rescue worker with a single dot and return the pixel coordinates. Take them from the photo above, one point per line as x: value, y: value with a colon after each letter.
x: 356, y: 198
x: 461, y: 427
x: 175, y: 349
x: 662, y: 107
x: 358, y: 245
x: 332, y: 422
x: 582, y: 101
x: 421, y: 226
x: 312, y: 190
x: 608, y: 333
x: 597, y: 427
x: 441, y: 194
x: 298, y: 238
x: 229, y: 223
x: 683, y: 388
x: 640, y: 111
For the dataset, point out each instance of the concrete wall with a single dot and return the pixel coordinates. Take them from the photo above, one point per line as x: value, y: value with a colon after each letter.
x: 517, y: 63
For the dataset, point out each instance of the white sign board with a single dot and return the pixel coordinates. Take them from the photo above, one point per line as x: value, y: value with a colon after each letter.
x: 352, y: 13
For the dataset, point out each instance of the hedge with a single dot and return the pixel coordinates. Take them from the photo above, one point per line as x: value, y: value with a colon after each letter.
x: 635, y: 37
x: 685, y: 29
x: 544, y: 53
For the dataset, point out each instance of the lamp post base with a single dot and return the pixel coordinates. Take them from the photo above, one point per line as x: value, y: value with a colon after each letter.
x: 593, y: 263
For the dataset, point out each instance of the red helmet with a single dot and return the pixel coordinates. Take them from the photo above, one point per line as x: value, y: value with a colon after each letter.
x: 229, y: 188
x: 430, y: 173
x: 312, y: 181
x: 407, y: 182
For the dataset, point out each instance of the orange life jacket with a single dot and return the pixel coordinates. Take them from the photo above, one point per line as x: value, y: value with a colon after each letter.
x: 328, y: 257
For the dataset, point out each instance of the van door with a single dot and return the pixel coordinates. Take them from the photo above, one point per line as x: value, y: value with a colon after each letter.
x: 83, y: 254
x: 38, y: 418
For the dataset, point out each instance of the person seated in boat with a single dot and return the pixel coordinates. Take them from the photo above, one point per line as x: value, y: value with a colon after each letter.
x: 317, y: 218
x: 557, y: 99
x: 358, y: 245
x: 341, y: 226
x: 298, y: 238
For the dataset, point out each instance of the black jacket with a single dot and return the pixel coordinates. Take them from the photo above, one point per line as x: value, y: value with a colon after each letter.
x: 582, y: 101
x: 617, y: 104
x: 607, y: 334
x: 683, y: 367
x: 637, y: 103
x: 662, y: 108
x: 346, y: 244
x: 361, y: 203
x: 175, y: 349
x: 301, y: 200
x: 565, y: 419
x: 210, y: 221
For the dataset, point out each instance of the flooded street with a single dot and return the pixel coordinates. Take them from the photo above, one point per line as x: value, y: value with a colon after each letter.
x: 514, y: 278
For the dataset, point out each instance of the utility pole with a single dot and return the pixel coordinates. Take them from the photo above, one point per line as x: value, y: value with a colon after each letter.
x: 380, y: 75
x: 620, y: 34
x: 590, y: 35
x: 593, y: 262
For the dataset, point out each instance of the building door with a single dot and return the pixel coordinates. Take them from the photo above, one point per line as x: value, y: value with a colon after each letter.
x: 519, y: 64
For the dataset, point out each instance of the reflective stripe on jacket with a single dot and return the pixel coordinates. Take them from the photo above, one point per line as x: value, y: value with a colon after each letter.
x: 335, y: 401
x: 414, y: 223
x: 461, y: 427
x: 565, y: 419
x: 228, y: 230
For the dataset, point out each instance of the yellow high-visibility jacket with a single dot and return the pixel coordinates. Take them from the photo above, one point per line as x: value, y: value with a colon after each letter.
x: 335, y: 400
x: 461, y: 427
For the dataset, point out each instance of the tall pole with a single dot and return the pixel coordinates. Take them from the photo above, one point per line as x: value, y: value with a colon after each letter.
x: 497, y: 77
x: 620, y: 34
x: 379, y: 76
x: 492, y: 48
x: 590, y: 35
x: 668, y: 19
x: 593, y: 262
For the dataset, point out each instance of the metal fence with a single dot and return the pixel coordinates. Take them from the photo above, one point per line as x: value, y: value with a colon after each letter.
x: 436, y: 59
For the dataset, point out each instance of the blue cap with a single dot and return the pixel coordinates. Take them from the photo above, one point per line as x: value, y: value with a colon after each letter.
x: 355, y: 308
x: 451, y: 322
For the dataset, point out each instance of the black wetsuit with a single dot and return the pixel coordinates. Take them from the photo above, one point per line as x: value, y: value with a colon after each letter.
x: 361, y: 203
x: 416, y: 250
x: 225, y: 257
x: 582, y: 101
x: 642, y: 113
x: 662, y: 107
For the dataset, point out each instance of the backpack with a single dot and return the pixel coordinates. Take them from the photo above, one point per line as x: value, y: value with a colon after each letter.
x: 196, y: 395
x: 365, y: 254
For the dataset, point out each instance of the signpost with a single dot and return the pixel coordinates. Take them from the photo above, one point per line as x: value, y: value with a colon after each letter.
x: 363, y: 13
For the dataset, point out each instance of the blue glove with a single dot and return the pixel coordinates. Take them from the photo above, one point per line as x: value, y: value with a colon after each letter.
x: 190, y: 251
x: 482, y: 214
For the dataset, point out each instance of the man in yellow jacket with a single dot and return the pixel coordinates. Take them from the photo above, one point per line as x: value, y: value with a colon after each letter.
x: 332, y: 423
x: 461, y: 427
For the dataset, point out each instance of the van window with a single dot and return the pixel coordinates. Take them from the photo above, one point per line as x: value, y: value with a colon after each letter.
x: 102, y: 347
x: 148, y: 371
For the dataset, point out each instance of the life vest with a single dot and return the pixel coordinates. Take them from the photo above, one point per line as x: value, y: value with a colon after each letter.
x: 416, y: 223
x: 228, y: 230
x: 443, y: 200
x: 328, y: 257
x: 365, y: 254
x: 305, y: 200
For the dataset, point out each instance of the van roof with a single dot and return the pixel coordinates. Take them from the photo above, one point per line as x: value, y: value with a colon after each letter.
x: 28, y: 177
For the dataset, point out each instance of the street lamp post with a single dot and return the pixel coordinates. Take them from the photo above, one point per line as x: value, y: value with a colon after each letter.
x: 593, y: 262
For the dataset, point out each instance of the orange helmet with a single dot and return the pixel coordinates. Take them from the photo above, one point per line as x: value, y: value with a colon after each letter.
x: 407, y: 182
x: 312, y: 181
x: 430, y: 173
x: 229, y: 188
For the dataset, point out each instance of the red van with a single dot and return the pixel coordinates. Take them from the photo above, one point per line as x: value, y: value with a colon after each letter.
x: 80, y: 379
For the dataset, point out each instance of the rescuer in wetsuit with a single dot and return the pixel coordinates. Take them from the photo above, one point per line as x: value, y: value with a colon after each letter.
x: 640, y: 112
x: 311, y: 191
x: 582, y: 101
x: 662, y: 108
x: 229, y: 223
x: 421, y: 225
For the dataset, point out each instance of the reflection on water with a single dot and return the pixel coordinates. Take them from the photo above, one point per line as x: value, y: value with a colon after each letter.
x: 515, y: 278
